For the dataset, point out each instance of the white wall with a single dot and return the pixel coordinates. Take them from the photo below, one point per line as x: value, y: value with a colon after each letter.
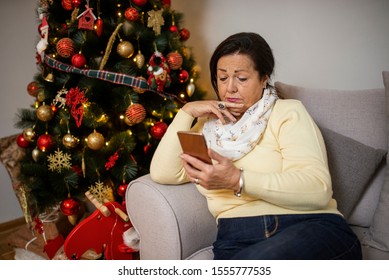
x: 326, y: 44
x: 18, y: 31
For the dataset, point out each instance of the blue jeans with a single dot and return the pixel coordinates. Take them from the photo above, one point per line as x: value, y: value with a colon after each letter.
x: 286, y: 237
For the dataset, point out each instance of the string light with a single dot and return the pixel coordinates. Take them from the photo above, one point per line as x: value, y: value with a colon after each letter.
x: 119, y: 11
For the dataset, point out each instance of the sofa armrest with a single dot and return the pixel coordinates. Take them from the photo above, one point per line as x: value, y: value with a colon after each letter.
x: 173, y: 221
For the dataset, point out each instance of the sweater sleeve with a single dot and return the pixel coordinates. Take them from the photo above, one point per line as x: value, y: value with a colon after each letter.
x: 166, y: 166
x: 303, y: 182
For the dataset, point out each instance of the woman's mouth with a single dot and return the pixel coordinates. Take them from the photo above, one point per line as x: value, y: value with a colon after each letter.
x: 233, y: 100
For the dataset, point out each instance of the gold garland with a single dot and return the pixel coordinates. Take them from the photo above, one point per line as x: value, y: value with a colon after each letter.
x: 24, y: 204
x: 74, y: 15
x: 109, y: 46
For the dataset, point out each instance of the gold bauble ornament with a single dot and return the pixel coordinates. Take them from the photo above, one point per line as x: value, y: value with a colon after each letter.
x: 95, y: 140
x: 139, y: 60
x: 73, y: 219
x: 70, y: 141
x: 186, y: 52
x: 36, y: 154
x: 125, y: 49
x: 44, y: 113
x: 190, y: 89
x: 29, y: 134
x: 41, y: 96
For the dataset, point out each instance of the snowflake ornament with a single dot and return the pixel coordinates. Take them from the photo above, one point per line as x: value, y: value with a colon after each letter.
x: 59, y: 161
x: 99, y: 191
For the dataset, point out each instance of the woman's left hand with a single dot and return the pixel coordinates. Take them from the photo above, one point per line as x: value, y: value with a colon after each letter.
x: 221, y: 175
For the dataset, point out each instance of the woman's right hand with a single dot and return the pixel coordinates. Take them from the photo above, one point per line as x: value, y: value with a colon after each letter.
x: 211, y: 109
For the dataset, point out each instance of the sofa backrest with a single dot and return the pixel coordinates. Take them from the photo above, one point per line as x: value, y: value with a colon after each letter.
x: 358, y: 114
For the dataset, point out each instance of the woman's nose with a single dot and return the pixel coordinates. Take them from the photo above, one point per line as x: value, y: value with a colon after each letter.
x: 232, y: 86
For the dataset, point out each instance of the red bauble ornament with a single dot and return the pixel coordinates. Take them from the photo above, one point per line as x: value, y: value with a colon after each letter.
x: 184, y: 34
x: 66, y: 47
x: 183, y: 76
x: 174, y: 60
x: 131, y: 14
x: 78, y: 60
x: 140, y: 2
x: 53, y: 108
x: 76, y: 3
x: 67, y: 5
x: 135, y: 114
x: 45, y: 142
x: 147, y: 149
x: 173, y: 29
x: 122, y: 190
x: 70, y: 206
x: 99, y: 27
x: 22, y: 142
x: 158, y: 130
x: 77, y: 169
x: 166, y: 3
x: 33, y: 88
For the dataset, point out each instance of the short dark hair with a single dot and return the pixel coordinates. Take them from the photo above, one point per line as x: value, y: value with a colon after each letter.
x: 247, y: 43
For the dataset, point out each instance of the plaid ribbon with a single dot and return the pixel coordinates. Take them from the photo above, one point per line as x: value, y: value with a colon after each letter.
x: 116, y: 78
x: 112, y: 77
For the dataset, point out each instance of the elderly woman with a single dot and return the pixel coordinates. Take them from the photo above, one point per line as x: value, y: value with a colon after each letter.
x: 269, y: 187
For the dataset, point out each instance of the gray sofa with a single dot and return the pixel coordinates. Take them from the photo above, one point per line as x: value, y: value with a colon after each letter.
x: 173, y: 221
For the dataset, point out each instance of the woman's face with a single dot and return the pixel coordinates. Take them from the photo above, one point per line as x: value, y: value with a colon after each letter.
x: 239, y: 82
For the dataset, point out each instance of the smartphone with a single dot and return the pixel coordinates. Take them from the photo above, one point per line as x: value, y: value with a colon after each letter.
x: 194, y: 144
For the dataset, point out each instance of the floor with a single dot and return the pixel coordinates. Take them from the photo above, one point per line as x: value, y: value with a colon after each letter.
x: 6, y: 230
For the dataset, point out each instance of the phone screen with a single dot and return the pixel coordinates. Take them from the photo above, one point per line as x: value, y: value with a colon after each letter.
x: 194, y: 144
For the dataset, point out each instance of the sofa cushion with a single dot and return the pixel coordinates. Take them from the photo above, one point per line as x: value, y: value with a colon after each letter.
x: 203, y: 254
x: 362, y: 116
x: 380, y: 227
x: 363, y: 213
x: 350, y: 171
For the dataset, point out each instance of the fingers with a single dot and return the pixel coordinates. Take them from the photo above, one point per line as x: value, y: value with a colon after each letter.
x: 227, y: 111
x: 192, y: 165
x: 196, y: 170
x: 206, y: 175
x: 215, y: 156
x: 220, y: 109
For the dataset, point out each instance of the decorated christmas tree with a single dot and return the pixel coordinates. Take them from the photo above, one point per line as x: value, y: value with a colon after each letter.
x: 111, y: 76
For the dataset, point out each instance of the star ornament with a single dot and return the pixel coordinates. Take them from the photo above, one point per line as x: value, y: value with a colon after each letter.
x: 155, y: 21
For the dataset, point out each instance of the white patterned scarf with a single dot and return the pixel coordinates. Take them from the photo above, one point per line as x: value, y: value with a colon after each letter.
x: 235, y: 140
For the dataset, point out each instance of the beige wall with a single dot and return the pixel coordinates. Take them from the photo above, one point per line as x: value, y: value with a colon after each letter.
x: 327, y: 44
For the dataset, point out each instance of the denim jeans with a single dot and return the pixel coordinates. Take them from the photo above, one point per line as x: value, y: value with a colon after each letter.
x: 286, y: 237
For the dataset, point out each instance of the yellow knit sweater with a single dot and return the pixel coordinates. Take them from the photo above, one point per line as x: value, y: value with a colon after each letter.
x: 286, y: 173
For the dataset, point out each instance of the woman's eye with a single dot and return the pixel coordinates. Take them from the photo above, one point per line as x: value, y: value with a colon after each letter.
x: 242, y: 79
x: 222, y: 79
